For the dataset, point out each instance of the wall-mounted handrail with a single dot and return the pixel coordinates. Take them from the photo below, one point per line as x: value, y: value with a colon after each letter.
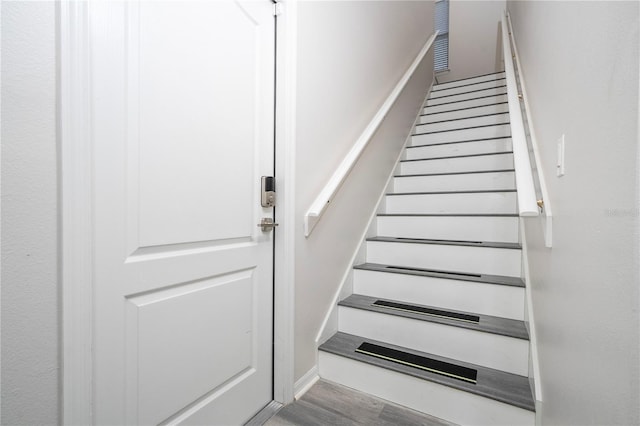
x: 547, y: 213
x: 320, y: 204
x: 527, y: 203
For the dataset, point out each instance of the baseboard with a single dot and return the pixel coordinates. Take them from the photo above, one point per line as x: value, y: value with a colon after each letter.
x: 305, y: 382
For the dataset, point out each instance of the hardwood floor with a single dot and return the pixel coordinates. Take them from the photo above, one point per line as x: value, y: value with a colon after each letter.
x: 328, y: 404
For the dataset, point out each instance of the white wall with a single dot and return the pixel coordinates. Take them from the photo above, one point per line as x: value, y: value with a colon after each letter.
x: 30, y: 333
x: 580, y: 64
x: 474, y: 38
x: 350, y: 56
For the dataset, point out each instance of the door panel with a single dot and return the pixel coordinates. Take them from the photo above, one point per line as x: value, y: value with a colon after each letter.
x: 182, y: 107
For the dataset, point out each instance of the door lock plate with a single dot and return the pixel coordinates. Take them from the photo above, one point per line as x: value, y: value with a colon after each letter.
x: 267, y: 224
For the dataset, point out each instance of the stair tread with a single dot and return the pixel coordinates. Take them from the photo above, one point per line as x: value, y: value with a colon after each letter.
x: 483, y: 154
x: 451, y: 275
x: 487, y: 244
x: 487, y: 324
x: 453, y: 142
x: 449, y: 214
x: 467, y: 91
x: 456, y: 173
x: 495, y: 95
x: 464, y: 118
x: 469, y: 191
x: 469, y: 78
x: 459, y: 128
x: 435, y: 89
x: 494, y: 384
x: 462, y: 109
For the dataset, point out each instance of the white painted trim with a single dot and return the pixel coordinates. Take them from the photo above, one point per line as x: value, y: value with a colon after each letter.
x: 524, y: 179
x: 530, y: 321
x: 325, y: 331
x: 329, y: 191
x: 284, y: 272
x: 547, y: 214
x: 76, y: 269
x: 306, y: 382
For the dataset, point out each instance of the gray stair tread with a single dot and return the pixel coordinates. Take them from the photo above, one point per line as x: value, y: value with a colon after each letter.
x: 460, y: 80
x: 487, y: 324
x: 491, y: 244
x: 459, y: 128
x: 484, y: 154
x: 451, y: 275
x: 454, y: 142
x: 456, y: 173
x: 469, y: 191
x: 494, y: 384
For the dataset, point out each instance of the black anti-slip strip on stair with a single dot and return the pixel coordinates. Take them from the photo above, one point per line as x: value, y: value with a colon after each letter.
x: 470, y: 78
x: 448, y: 215
x: 484, y: 154
x: 450, y: 275
x: 462, y: 128
x: 481, y: 244
x: 468, y: 84
x: 416, y: 361
x: 461, y: 109
x: 469, y: 191
x: 456, y: 173
x: 427, y: 311
x: 470, y: 91
x: 465, y: 100
x: 464, y: 141
x: 464, y: 118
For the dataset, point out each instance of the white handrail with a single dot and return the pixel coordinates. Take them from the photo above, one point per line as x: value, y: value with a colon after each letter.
x: 319, y: 205
x: 527, y: 204
x: 547, y: 213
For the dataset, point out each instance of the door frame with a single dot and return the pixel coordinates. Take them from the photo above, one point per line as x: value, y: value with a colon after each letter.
x: 76, y: 210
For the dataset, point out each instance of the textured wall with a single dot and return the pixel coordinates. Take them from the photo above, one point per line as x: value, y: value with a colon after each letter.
x: 580, y: 63
x: 350, y: 57
x: 30, y: 334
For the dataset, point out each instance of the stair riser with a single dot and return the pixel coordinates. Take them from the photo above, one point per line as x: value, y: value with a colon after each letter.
x: 480, y: 203
x: 438, y: 93
x: 482, y: 298
x: 474, y: 260
x: 466, y: 96
x: 484, y: 228
x: 441, y: 401
x: 474, y: 80
x: 466, y: 104
x: 458, y: 164
x: 463, y: 113
x: 464, y: 148
x: 475, y: 133
x: 468, y: 122
x: 486, y: 349
x: 462, y: 182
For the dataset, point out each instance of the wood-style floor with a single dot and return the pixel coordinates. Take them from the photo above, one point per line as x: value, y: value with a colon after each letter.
x: 328, y: 404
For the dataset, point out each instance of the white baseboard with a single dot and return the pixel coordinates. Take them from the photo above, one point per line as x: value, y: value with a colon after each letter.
x: 305, y: 382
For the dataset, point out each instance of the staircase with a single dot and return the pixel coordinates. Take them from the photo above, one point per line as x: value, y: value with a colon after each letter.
x: 436, y: 318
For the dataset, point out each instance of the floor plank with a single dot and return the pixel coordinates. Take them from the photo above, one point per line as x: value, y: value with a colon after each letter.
x: 331, y: 404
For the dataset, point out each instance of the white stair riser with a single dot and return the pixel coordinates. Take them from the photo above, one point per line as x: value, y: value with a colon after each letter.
x: 438, y: 93
x: 462, y: 228
x: 466, y: 104
x: 474, y: 133
x: 467, y: 122
x: 462, y: 113
x: 462, y: 148
x: 444, y: 402
x: 482, y: 298
x: 461, y: 182
x: 466, y: 96
x: 479, y: 203
x: 485, y: 349
x: 474, y: 260
x: 478, y: 79
x: 458, y: 164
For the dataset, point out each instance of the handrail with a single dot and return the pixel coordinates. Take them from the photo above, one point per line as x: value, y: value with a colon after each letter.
x: 319, y: 205
x: 547, y: 213
x: 527, y: 204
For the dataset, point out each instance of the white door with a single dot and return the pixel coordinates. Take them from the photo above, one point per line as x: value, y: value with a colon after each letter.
x: 182, y: 99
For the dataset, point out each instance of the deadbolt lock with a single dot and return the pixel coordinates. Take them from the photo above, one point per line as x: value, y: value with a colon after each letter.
x: 267, y: 224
